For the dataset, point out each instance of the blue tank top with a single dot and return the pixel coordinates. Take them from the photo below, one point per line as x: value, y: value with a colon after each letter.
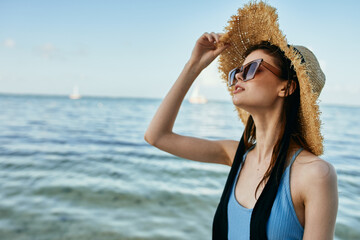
x: 283, y: 222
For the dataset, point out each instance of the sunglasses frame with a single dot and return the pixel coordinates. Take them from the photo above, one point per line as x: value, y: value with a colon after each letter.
x: 260, y: 61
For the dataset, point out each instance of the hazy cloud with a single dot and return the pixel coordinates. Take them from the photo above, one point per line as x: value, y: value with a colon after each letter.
x: 50, y: 51
x: 210, y: 76
x: 9, y: 43
x: 322, y: 64
x: 80, y: 51
x: 47, y: 50
x: 345, y: 94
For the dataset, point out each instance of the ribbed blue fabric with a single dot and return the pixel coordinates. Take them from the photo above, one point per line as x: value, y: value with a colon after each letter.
x: 283, y: 222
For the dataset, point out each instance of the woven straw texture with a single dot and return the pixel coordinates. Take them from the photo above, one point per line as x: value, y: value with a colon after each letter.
x: 257, y: 22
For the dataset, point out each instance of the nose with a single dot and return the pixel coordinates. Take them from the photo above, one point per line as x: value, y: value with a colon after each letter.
x: 238, y: 76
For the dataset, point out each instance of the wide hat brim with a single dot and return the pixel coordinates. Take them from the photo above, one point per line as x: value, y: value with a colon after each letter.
x: 257, y: 22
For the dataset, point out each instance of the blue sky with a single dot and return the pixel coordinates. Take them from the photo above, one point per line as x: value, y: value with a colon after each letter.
x: 138, y: 48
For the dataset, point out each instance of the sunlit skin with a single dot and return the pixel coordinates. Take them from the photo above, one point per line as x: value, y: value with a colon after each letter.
x: 263, y: 98
x: 262, y: 91
x: 313, y: 181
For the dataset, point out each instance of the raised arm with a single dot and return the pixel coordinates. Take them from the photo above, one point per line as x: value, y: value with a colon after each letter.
x: 159, y: 132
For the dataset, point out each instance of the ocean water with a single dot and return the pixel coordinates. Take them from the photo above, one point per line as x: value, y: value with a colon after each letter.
x: 82, y: 170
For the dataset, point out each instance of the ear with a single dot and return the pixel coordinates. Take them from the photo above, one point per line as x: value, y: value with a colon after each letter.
x: 290, y: 85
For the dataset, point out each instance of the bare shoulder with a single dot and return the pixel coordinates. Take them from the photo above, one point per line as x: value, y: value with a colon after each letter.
x: 319, y: 195
x: 316, y: 173
x: 314, y: 167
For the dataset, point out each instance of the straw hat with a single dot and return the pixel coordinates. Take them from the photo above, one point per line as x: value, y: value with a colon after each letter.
x: 257, y: 22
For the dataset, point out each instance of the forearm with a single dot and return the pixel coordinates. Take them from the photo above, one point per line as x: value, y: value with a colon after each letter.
x: 164, y: 119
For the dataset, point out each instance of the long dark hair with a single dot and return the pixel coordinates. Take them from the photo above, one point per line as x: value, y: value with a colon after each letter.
x: 290, y: 130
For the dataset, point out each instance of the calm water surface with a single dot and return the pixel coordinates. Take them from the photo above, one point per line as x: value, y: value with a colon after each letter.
x: 82, y: 170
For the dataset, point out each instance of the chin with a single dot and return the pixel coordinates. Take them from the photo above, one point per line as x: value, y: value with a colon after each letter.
x: 240, y: 104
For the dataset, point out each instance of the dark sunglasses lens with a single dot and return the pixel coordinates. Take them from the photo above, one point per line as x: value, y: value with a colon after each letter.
x: 232, y: 79
x: 250, y: 70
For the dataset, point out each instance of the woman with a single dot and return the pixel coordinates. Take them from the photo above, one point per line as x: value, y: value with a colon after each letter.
x: 274, y: 88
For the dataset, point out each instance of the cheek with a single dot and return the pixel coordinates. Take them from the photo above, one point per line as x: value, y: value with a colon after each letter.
x: 264, y: 94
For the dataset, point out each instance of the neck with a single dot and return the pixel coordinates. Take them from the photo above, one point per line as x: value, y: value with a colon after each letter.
x: 268, y: 128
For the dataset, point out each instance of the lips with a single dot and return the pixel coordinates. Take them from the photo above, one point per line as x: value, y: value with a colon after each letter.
x: 238, y: 89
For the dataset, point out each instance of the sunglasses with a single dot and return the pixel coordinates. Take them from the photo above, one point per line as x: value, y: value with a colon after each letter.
x: 248, y: 71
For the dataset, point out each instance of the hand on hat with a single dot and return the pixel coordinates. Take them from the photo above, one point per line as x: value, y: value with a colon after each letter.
x: 206, y: 49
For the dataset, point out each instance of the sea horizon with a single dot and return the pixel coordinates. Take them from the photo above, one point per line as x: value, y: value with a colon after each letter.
x: 152, y: 98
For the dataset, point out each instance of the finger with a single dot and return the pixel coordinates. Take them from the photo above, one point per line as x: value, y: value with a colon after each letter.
x: 215, y: 36
x: 220, y: 49
x: 210, y: 37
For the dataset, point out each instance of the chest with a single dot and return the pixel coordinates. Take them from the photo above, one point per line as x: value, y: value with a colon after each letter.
x: 247, y: 191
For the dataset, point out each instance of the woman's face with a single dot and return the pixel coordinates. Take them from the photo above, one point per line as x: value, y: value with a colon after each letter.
x: 264, y: 91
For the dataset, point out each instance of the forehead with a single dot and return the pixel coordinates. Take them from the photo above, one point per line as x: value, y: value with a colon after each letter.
x: 259, y: 53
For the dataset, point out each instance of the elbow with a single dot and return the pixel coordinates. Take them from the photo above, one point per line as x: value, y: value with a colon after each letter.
x: 153, y: 139
x: 149, y: 139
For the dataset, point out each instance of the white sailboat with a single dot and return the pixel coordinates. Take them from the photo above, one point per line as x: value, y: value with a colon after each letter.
x: 196, y: 98
x: 75, y: 93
